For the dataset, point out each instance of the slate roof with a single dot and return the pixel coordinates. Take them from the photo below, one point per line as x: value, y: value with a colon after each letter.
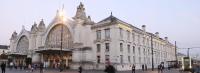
x: 4, y: 47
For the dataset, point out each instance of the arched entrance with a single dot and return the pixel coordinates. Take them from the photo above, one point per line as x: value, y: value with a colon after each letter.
x: 19, y: 57
x: 57, y: 47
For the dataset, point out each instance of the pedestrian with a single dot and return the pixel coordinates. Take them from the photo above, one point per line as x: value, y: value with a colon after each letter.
x: 80, y: 69
x: 41, y: 67
x: 142, y: 67
x: 110, y: 69
x: 11, y: 65
x: 159, y: 68
x: 133, y: 68
x: 3, y: 67
x: 145, y: 67
x: 20, y: 66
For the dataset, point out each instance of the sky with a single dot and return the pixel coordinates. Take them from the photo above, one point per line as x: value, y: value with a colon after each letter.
x: 179, y: 20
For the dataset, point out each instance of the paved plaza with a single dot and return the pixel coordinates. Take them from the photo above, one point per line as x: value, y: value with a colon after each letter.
x: 89, y: 71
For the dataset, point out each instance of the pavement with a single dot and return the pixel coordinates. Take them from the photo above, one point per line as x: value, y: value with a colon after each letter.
x: 90, y: 71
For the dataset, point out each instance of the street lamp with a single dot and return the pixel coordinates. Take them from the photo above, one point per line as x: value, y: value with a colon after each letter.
x: 61, y: 14
x: 152, y: 52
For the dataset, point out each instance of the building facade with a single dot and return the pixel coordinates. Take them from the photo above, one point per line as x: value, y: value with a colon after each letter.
x: 80, y: 41
x: 3, y: 50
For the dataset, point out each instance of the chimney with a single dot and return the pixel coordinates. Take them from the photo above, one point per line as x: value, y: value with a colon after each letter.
x: 166, y: 38
x: 144, y: 27
x: 157, y: 34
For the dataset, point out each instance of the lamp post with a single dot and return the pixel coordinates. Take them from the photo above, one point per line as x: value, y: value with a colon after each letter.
x: 61, y: 47
x: 152, y: 59
x: 61, y: 13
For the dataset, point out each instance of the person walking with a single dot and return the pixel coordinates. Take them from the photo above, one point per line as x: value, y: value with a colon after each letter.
x: 80, y: 69
x: 142, y: 67
x: 3, y: 67
x: 133, y: 68
x: 159, y: 68
x: 145, y: 67
x: 41, y: 67
x: 110, y: 69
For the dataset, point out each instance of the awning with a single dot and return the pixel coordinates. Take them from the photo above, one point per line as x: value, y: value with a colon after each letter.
x: 53, y: 51
x: 16, y: 54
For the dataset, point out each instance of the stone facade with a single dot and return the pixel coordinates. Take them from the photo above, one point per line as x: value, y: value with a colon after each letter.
x: 92, y: 45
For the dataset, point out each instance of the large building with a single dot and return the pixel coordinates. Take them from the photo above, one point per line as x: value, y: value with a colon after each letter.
x: 3, y: 50
x: 80, y: 41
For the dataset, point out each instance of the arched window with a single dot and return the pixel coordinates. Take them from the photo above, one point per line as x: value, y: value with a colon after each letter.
x: 54, y: 37
x: 23, y: 45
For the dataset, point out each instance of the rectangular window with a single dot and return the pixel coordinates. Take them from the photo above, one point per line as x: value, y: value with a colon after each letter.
x: 107, y: 47
x: 139, y: 50
x: 143, y: 40
x: 98, y: 59
x: 98, y: 47
x: 128, y: 35
x: 121, y: 47
x: 121, y: 58
x: 138, y: 39
x: 129, y: 59
x: 107, y: 58
x: 134, y: 59
x: 107, y: 33
x: 121, y: 32
x: 140, y: 60
x: 128, y: 46
x: 98, y: 34
x: 133, y: 49
x: 133, y: 36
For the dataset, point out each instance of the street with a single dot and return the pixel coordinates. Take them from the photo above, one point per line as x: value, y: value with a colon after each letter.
x: 89, y: 71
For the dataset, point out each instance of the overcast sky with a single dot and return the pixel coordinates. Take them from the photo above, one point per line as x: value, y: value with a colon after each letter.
x: 179, y: 20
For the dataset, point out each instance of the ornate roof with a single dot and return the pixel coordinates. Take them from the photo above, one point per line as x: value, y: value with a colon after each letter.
x: 41, y: 26
x: 34, y: 28
x: 80, y: 13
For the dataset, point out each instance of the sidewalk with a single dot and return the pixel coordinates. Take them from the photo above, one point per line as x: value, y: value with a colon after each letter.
x: 88, y: 71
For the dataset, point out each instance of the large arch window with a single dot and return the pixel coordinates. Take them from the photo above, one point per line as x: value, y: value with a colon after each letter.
x: 22, y: 45
x: 54, y: 37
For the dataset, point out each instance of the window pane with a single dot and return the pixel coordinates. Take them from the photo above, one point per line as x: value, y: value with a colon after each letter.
x: 107, y: 47
x: 128, y: 46
x: 121, y: 47
x: 107, y: 33
x: 98, y: 48
x: 121, y: 32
